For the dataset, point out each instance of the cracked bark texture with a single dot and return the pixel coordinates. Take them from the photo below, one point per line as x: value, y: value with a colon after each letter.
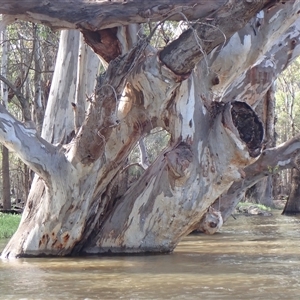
x: 251, y: 87
x: 214, y: 144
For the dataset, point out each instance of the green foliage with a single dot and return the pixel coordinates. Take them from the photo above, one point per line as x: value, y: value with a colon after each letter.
x: 8, y: 224
x: 273, y: 170
x: 248, y: 204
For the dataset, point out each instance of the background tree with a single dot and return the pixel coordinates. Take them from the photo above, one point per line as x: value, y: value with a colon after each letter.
x: 288, y: 112
x: 29, y: 66
x: 6, y: 201
x: 254, y: 83
x: 262, y: 191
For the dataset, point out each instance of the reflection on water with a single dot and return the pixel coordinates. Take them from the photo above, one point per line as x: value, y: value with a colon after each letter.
x: 252, y: 258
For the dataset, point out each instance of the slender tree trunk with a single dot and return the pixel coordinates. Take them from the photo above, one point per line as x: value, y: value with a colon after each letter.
x: 6, y: 179
x: 39, y: 109
x: 270, y: 140
x: 262, y: 191
x: 58, y: 126
x: 292, y: 205
x: 26, y: 182
x: 88, y: 68
x: 5, y: 152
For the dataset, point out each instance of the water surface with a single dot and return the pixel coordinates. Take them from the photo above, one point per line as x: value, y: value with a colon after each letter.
x: 252, y: 258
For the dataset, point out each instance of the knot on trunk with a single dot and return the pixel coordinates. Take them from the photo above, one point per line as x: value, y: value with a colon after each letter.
x: 179, y: 159
x: 249, y: 126
x: 211, y: 222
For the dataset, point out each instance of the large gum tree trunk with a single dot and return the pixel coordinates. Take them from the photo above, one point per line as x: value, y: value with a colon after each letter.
x: 212, y: 142
x: 292, y: 205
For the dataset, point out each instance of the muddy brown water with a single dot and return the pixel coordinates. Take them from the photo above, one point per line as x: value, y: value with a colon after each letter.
x: 252, y: 258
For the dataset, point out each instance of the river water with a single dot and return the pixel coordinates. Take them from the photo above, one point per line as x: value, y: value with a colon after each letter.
x: 251, y: 258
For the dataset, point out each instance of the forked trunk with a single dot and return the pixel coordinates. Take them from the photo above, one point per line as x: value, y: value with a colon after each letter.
x: 78, y: 204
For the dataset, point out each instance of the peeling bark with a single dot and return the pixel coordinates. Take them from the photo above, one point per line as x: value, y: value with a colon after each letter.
x: 208, y: 34
x: 257, y: 80
x: 252, y: 86
x: 168, y: 194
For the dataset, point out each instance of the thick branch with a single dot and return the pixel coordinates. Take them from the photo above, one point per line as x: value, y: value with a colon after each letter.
x: 183, y: 54
x: 262, y: 75
x: 22, y: 138
x: 270, y: 161
x: 93, y: 15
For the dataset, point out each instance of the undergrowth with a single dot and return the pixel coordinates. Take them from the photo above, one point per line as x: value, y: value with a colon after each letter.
x: 248, y: 204
x: 8, y: 224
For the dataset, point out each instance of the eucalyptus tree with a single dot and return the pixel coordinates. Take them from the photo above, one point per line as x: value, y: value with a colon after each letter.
x: 288, y: 113
x: 258, y: 80
x: 199, y: 88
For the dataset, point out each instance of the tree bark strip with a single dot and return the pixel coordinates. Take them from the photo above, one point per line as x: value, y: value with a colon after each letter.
x: 104, y: 14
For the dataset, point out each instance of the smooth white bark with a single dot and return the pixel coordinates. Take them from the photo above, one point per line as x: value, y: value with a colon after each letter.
x: 58, y: 120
